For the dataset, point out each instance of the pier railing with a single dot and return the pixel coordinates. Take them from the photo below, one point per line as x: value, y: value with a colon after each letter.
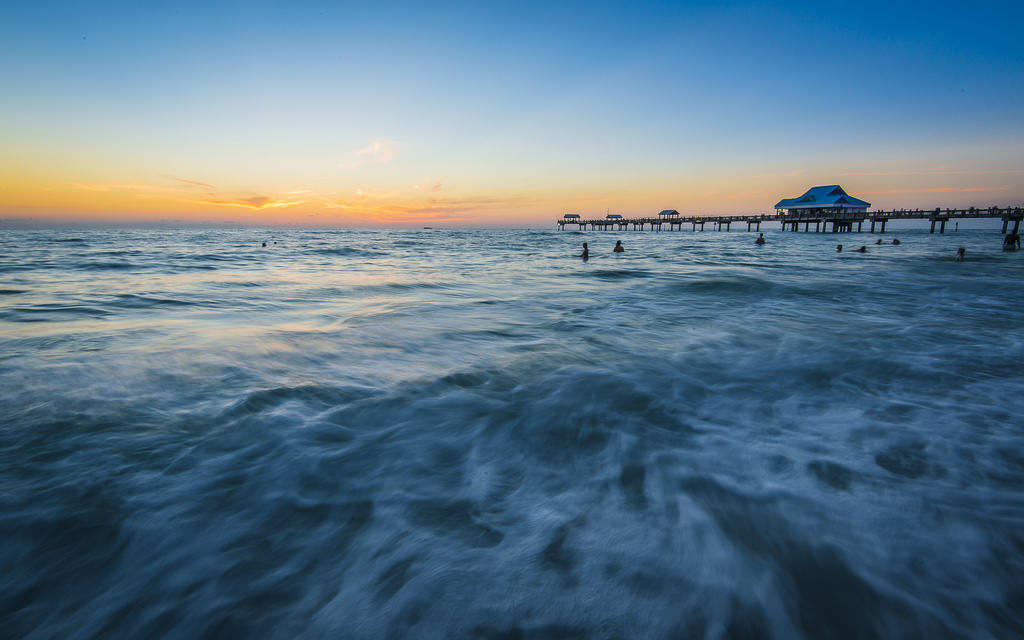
x: 839, y: 221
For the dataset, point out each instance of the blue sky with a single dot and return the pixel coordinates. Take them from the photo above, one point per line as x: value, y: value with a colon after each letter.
x: 400, y: 113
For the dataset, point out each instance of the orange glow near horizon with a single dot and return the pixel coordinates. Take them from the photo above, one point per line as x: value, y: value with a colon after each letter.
x: 165, y: 197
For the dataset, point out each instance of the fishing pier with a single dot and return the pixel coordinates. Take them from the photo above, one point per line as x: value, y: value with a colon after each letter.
x: 835, y: 223
x: 826, y: 209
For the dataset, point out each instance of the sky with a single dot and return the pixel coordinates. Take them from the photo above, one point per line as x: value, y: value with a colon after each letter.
x: 501, y: 114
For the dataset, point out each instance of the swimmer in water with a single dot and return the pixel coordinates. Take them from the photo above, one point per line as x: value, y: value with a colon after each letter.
x: 839, y: 248
x: 862, y: 250
x: 586, y: 252
x: 618, y: 247
x: 760, y: 239
x: 895, y: 240
x: 879, y: 241
x: 960, y: 254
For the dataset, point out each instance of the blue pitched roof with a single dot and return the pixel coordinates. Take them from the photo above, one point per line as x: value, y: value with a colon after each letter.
x: 614, y: 216
x: 817, y: 197
x: 669, y: 212
x: 571, y: 215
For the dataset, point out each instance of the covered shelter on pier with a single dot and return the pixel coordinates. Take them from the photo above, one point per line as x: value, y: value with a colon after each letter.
x: 823, y: 201
x: 668, y: 213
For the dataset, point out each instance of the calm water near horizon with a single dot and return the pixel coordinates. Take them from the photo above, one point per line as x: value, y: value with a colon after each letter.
x: 445, y: 433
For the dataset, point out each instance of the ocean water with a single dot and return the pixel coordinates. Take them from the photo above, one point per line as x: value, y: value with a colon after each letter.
x: 443, y: 433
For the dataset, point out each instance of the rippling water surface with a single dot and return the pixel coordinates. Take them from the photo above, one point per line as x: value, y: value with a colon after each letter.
x: 437, y: 433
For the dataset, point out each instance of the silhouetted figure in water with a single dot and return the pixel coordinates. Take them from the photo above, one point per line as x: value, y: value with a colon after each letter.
x: 586, y: 252
x: 960, y: 254
x: 879, y: 241
x: 895, y: 240
x: 264, y: 244
x: 839, y: 248
x: 618, y: 247
x: 760, y: 239
x: 863, y: 249
x: 1011, y: 242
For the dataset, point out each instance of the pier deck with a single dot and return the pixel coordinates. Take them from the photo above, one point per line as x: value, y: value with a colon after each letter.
x: 840, y: 222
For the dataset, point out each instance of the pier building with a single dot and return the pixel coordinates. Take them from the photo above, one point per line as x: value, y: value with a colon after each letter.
x: 823, y: 201
x: 822, y: 205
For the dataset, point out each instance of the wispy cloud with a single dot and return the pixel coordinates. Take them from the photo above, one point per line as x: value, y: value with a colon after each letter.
x: 462, y: 204
x: 254, y: 202
x: 433, y: 209
x: 787, y: 174
x: 391, y: 213
x: 378, y: 151
x: 596, y: 199
x: 122, y: 187
x: 941, y: 172
x: 191, y: 183
x: 935, y: 190
x: 184, y: 190
x: 374, y: 194
x: 431, y: 185
x: 181, y: 182
x: 750, y: 193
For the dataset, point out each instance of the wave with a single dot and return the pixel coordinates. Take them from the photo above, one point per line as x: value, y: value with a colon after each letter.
x: 320, y: 396
x: 398, y: 287
x: 108, y: 266
x: 122, y: 252
x: 351, y: 252
x: 52, y: 313
x: 619, y: 274
x: 721, y: 285
x: 137, y: 301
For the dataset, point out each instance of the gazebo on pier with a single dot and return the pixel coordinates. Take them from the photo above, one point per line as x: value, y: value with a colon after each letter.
x: 823, y: 205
